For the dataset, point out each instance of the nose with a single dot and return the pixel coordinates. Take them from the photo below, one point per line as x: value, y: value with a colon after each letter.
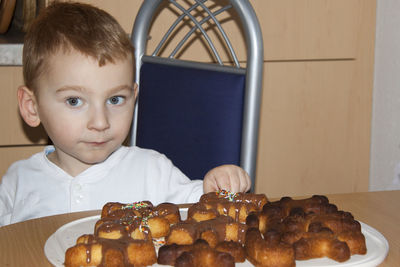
x: 98, y: 120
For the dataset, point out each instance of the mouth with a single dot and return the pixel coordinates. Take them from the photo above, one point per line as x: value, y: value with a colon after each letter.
x: 101, y: 143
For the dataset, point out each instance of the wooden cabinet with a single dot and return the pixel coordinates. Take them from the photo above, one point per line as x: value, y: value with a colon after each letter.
x: 292, y: 29
x: 311, y: 141
x: 15, y: 131
x: 316, y: 107
x: 317, y: 92
x: 10, y: 154
x: 17, y: 140
x: 308, y: 29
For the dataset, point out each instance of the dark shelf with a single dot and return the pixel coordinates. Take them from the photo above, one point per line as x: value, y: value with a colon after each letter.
x: 12, y: 36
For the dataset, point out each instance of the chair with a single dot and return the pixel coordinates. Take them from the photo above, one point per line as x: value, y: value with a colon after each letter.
x: 200, y: 114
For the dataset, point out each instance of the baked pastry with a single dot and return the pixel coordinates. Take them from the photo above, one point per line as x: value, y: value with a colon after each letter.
x: 199, y: 254
x: 166, y: 210
x: 218, y: 219
x: 123, y: 236
x: 274, y: 212
x: 235, y: 249
x: 268, y: 251
x: 93, y: 251
x: 137, y: 220
x: 235, y: 205
x: 221, y: 229
x: 313, y: 227
x: 321, y: 244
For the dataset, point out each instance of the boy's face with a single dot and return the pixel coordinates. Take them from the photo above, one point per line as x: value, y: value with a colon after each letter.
x: 86, y: 109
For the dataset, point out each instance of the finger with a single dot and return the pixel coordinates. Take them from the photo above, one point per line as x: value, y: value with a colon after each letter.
x: 235, y: 183
x: 245, y: 182
x: 209, y: 184
x: 223, y: 182
x: 248, y: 182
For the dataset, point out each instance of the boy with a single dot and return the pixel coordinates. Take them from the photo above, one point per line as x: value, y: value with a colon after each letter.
x: 78, y: 71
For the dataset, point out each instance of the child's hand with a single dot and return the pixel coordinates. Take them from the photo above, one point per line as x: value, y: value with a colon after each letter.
x: 227, y: 177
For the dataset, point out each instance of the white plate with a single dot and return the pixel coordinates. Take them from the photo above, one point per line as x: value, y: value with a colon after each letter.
x: 66, y: 235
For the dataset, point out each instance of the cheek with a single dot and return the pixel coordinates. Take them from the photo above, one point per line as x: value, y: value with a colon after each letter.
x: 61, y: 126
x: 121, y: 122
x: 63, y: 132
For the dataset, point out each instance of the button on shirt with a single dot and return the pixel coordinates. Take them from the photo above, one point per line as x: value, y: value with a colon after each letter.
x: 36, y: 187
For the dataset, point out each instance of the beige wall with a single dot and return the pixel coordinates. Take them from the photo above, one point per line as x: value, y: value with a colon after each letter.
x: 385, y: 145
x: 316, y: 103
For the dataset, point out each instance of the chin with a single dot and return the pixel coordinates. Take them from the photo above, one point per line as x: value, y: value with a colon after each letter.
x: 95, y: 159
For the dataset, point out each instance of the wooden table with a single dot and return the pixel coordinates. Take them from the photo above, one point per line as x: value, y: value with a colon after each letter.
x: 22, y: 244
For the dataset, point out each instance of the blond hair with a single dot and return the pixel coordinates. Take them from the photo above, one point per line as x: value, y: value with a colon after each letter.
x: 72, y: 26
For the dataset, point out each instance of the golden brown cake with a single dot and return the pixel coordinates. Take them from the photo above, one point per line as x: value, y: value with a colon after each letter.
x: 123, y: 236
x: 235, y: 249
x: 268, y: 251
x: 221, y: 229
x: 93, y: 251
x: 136, y: 220
x: 197, y: 254
x: 235, y: 205
x: 313, y: 227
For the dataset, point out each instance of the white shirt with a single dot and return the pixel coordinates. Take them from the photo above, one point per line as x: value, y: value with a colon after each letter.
x: 36, y: 187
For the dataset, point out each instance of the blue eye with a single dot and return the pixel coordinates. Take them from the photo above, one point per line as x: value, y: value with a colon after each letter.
x: 116, y: 100
x: 74, y: 101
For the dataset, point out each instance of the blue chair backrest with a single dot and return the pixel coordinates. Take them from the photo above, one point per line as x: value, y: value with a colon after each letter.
x: 192, y: 115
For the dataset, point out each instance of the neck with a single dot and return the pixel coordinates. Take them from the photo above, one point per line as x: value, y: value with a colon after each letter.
x: 74, y: 170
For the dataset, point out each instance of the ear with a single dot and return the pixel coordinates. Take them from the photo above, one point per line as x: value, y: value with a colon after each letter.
x: 28, y: 106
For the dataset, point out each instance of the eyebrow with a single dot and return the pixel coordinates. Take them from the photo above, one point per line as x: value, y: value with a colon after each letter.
x: 68, y: 88
x: 81, y: 89
x: 121, y: 87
